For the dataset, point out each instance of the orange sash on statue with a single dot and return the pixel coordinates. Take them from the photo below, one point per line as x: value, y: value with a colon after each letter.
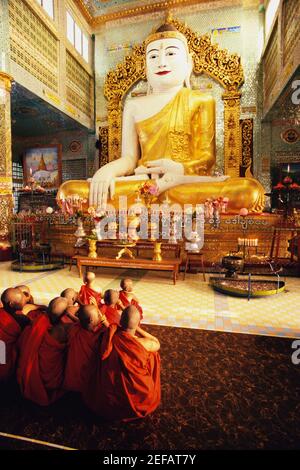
x: 9, y: 333
x: 41, y: 364
x: 112, y: 314
x: 83, y: 345
x: 127, y: 381
x: 125, y: 301
x: 86, y: 293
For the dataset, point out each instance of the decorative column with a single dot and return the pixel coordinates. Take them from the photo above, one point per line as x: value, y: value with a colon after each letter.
x: 6, y: 195
x: 232, y: 133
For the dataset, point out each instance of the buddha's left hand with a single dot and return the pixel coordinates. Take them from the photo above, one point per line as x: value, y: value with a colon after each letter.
x: 165, y: 165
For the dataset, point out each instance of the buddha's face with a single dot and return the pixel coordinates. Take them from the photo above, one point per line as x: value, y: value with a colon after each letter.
x: 167, y: 64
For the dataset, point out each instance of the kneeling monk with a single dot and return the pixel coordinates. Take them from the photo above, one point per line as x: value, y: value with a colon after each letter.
x: 42, y: 355
x: 127, y: 297
x: 112, y: 307
x: 83, y: 342
x: 11, y: 325
x: 89, y: 292
x: 127, y: 381
x: 31, y: 309
x: 71, y: 313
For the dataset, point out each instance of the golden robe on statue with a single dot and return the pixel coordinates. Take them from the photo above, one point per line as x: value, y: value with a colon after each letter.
x: 184, y: 131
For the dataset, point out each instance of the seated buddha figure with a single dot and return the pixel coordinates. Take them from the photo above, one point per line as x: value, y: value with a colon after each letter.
x: 169, y: 135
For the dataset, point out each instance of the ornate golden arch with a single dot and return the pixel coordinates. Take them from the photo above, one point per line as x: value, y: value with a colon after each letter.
x: 208, y: 58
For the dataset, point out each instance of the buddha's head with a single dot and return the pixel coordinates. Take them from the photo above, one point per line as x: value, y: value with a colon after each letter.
x: 168, y: 62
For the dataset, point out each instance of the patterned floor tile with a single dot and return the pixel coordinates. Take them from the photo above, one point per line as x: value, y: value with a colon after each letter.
x: 191, y: 303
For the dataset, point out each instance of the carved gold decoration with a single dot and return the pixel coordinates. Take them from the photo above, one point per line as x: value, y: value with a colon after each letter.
x: 6, y: 207
x: 6, y: 200
x: 232, y: 135
x: 247, y: 146
x: 103, y: 138
x: 208, y: 58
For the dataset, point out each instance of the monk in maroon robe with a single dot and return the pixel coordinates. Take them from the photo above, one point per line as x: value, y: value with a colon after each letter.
x: 127, y: 297
x: 71, y: 313
x: 112, y: 308
x: 43, y: 345
x: 31, y: 309
x: 83, y: 342
x: 126, y: 382
x: 89, y: 293
x: 11, y: 324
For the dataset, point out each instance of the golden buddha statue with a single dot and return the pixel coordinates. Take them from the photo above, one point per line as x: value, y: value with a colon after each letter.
x: 169, y: 134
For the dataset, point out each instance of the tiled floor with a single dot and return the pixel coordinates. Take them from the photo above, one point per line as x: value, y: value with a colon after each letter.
x: 191, y: 303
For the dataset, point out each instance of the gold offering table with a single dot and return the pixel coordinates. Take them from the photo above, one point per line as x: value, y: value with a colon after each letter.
x: 129, y: 263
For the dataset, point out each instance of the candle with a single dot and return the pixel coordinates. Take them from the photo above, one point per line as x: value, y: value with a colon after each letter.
x: 288, y: 168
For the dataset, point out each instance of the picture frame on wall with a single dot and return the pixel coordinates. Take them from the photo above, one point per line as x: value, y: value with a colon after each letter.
x: 43, y: 164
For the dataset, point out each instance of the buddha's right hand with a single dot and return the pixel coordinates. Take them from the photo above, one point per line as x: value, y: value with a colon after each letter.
x: 102, y: 185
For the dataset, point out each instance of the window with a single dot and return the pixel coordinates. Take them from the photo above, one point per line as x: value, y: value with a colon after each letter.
x: 48, y: 7
x: 77, y: 37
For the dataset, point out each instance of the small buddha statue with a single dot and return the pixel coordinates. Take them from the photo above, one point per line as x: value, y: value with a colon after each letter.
x: 169, y: 135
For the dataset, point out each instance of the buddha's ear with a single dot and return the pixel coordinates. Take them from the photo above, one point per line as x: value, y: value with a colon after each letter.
x: 149, y: 89
x: 189, y: 71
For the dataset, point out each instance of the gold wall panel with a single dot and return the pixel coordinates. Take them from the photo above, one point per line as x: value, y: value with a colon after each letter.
x: 79, y: 86
x: 103, y: 138
x: 32, y: 45
x: 232, y: 133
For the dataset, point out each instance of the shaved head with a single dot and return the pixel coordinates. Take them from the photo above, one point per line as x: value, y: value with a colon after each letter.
x: 111, y: 296
x: 130, y: 318
x: 26, y: 291
x: 70, y: 295
x: 89, y: 277
x: 126, y: 284
x: 13, y: 299
x: 89, y: 317
x: 57, y: 308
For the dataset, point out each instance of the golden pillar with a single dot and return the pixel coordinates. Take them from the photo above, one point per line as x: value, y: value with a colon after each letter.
x: 232, y: 133
x: 6, y: 194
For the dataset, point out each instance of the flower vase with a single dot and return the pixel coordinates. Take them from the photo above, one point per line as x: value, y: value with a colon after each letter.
x: 157, y: 252
x: 92, y: 248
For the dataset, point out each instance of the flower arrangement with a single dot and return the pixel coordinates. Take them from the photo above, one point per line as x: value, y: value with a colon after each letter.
x: 73, y: 205
x: 213, y: 208
x: 97, y: 216
x: 148, y: 191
